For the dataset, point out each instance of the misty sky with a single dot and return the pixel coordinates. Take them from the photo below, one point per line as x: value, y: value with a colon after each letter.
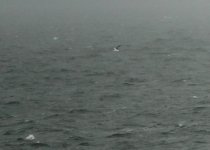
x: 89, y: 15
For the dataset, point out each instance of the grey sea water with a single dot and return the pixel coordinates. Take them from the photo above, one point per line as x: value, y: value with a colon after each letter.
x: 61, y: 81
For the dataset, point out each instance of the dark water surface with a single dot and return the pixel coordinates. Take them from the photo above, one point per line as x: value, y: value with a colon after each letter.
x: 61, y: 81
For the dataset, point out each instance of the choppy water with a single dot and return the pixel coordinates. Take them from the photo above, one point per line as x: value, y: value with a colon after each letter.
x: 74, y: 92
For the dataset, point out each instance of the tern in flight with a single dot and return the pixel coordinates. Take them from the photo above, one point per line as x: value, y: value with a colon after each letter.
x: 116, y: 49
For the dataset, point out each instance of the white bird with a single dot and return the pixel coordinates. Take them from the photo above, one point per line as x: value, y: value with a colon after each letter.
x: 116, y: 49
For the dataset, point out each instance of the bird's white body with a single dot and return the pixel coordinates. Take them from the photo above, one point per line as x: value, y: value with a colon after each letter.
x: 116, y: 50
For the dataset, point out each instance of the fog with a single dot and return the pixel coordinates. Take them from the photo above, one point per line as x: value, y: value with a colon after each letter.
x: 114, y: 16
